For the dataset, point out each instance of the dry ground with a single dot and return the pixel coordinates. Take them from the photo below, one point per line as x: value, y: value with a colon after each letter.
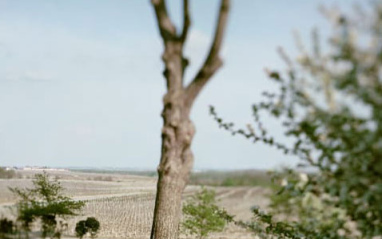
x: 124, y: 203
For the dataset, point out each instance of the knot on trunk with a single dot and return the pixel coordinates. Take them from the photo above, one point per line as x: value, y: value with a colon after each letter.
x: 173, y: 111
x: 185, y: 132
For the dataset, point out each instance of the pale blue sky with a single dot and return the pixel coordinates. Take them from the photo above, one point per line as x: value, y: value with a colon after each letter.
x: 81, y: 82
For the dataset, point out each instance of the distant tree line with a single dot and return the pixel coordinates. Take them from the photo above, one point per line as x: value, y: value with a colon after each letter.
x: 231, y: 178
x: 8, y: 174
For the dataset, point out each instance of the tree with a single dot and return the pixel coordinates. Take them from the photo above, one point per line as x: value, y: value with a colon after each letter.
x: 90, y: 225
x: 178, y: 130
x: 202, y: 215
x: 330, y: 105
x: 45, y: 202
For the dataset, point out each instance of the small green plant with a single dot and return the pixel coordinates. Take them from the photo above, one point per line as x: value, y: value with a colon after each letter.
x: 91, y: 225
x: 202, y: 215
x: 81, y: 229
x: 7, y: 228
x: 45, y: 202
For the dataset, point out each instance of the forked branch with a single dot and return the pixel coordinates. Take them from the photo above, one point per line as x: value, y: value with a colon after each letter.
x: 166, y: 27
x: 213, y: 61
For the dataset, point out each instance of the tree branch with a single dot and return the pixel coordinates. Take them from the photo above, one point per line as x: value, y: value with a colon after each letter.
x: 186, y: 21
x: 166, y: 27
x: 213, y: 61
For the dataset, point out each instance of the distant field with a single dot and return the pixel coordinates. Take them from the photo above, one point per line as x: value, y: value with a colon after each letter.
x: 209, y: 177
x: 231, y: 178
x: 124, y: 203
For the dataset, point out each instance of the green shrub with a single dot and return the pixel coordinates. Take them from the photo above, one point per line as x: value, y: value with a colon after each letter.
x: 202, y: 215
x: 91, y: 225
x: 45, y: 201
x: 81, y: 229
x: 6, y: 227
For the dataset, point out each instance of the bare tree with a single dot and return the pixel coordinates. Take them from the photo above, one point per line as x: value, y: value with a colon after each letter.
x: 178, y: 130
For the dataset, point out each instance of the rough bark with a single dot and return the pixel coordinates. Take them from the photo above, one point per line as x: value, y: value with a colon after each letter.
x: 176, y: 157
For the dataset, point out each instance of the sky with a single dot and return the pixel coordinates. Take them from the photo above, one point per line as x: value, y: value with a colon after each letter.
x: 81, y: 80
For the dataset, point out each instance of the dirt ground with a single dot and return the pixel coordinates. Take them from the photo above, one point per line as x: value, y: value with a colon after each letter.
x: 124, y: 204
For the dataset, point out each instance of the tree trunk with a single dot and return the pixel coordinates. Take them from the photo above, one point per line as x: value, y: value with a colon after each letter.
x: 174, y: 168
x: 176, y: 157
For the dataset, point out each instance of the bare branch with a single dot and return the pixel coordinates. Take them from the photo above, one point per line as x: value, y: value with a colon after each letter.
x: 186, y: 21
x: 166, y: 27
x: 213, y: 61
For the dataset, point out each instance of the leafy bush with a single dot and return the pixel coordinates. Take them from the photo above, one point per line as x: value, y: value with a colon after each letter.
x: 81, y: 229
x: 7, y: 228
x: 202, y: 215
x: 330, y: 105
x: 45, y: 202
x: 93, y: 226
x: 90, y: 225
